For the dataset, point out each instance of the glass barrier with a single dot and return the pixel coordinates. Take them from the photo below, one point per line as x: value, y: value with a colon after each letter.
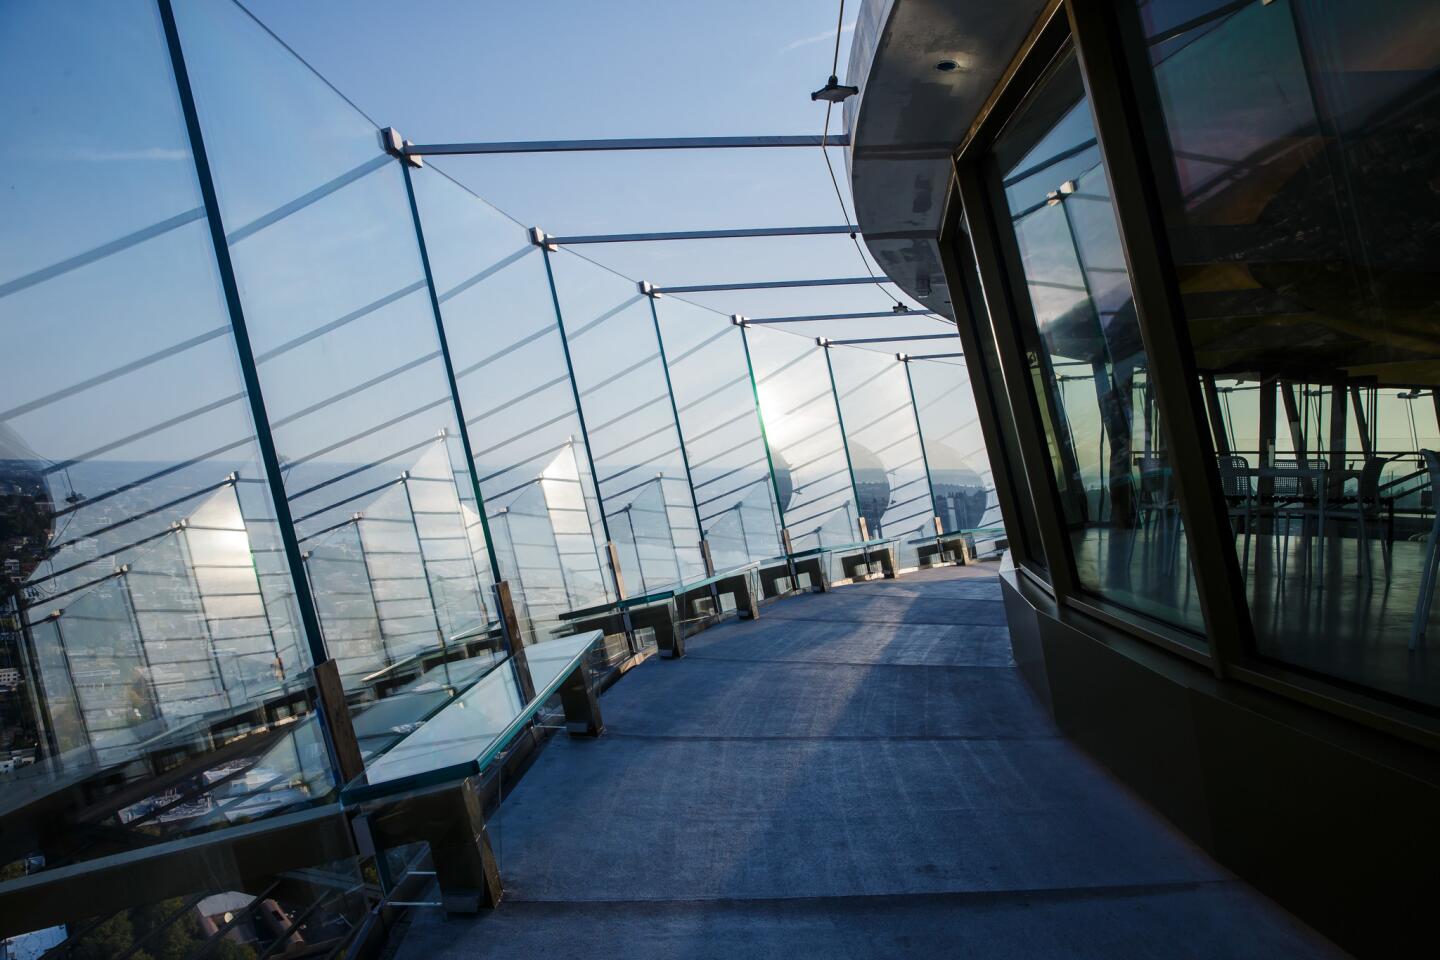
x: 145, y: 603
x: 505, y: 344
x: 639, y: 463
x: 340, y: 320
x: 883, y: 438
x: 960, y: 477
x: 1295, y: 144
x: 715, y: 401
x: 807, y: 447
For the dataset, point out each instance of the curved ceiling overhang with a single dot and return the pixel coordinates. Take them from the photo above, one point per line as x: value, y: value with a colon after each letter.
x: 911, y: 115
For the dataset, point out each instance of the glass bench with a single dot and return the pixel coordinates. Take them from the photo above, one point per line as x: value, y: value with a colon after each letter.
x: 668, y: 612
x: 426, y: 757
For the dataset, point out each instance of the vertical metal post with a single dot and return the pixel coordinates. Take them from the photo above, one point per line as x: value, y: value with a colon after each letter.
x: 611, y: 553
x: 764, y: 436
x: 844, y: 440
x: 246, y: 355
x: 675, y: 412
x: 1337, y: 441
x: 1216, y: 415
x: 420, y: 555
x: 450, y: 373
x: 1362, y: 423
x: 920, y: 435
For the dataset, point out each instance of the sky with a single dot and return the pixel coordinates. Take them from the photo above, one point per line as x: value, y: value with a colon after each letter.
x: 446, y: 70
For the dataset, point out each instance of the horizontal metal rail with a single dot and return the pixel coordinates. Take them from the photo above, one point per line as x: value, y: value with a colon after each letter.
x: 844, y: 316
x: 642, y: 143
x: 702, y: 234
x: 918, y: 336
x: 771, y: 285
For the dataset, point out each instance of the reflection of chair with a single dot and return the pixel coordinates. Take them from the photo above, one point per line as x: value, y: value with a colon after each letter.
x: 1239, y: 499
x: 1428, y: 569
x: 1158, y: 505
x: 1366, y: 507
x: 1298, y: 491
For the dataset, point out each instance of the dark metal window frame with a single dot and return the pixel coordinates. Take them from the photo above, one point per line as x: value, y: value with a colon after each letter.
x: 973, y: 252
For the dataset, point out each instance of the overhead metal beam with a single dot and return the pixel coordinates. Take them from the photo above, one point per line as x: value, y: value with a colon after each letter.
x: 932, y: 356
x: 771, y: 284
x: 643, y: 143
x: 701, y: 234
x: 844, y: 316
x: 921, y: 336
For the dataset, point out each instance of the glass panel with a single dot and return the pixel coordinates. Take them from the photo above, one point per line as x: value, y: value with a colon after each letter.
x: 721, y: 427
x: 964, y: 487
x: 1297, y: 144
x: 343, y: 330
x: 145, y: 602
x: 885, y: 449
x: 631, y: 425
x: 1087, y: 360
x: 469, y: 729
x: 806, y: 445
x: 504, y: 340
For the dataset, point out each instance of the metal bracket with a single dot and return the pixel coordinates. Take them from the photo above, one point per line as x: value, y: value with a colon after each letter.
x: 739, y: 320
x: 394, y: 144
x: 542, y: 239
x: 648, y: 289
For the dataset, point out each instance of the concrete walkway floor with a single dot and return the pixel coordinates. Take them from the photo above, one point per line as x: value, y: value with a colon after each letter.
x: 858, y: 774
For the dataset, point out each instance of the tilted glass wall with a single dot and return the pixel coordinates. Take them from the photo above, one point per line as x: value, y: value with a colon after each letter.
x: 720, y: 425
x: 155, y: 665
x: 960, y: 477
x: 335, y: 298
x: 807, y: 447
x: 886, y: 455
x: 634, y: 442
x: 1295, y: 145
x: 1088, y: 366
x: 506, y: 346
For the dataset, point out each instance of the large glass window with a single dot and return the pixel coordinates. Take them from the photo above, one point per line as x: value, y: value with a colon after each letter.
x: 1088, y: 365
x: 1296, y: 144
x: 715, y: 401
x: 345, y: 343
x: 145, y: 600
x: 639, y: 464
x: 515, y: 389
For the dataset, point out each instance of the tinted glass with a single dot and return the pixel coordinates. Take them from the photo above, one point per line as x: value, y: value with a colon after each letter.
x: 1087, y: 362
x: 1296, y: 144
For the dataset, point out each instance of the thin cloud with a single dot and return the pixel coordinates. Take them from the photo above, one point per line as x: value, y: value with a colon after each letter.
x: 93, y: 155
x: 817, y: 38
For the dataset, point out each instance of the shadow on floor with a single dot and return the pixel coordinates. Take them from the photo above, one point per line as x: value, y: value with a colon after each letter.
x: 857, y: 774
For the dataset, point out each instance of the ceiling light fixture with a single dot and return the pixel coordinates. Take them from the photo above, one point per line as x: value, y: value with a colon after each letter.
x: 834, y: 91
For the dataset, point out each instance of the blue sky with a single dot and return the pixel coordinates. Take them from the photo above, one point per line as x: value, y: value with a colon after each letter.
x: 445, y: 70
